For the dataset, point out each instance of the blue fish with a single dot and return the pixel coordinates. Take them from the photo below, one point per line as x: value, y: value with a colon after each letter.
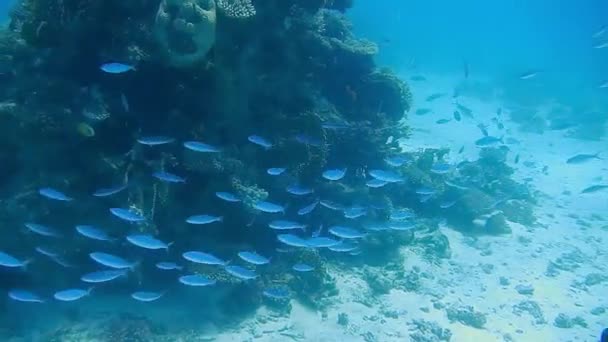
x: 240, y: 272
x: 54, y: 194
x: 387, y: 176
x: 488, y: 141
x: 94, y: 233
x: 71, y: 295
x: 116, y: 68
x: 402, y: 214
x: 275, y: 171
x: 196, y: 280
x: 401, y: 226
x: 127, y: 215
x: 447, y: 204
x: 354, y: 212
x: 334, y: 174
x: 8, y: 260
x: 300, y: 267
x: 103, y: 276
x: 147, y: 241
x: 105, y: 192
x: 298, y: 190
x: 286, y: 225
x: 204, y: 219
x: 227, y: 196
x: 269, y: 207
x: 425, y: 190
x: 376, y: 183
x: 308, y: 209
x: 346, y: 232
x: 278, y: 293
x: 203, y: 258
x: 198, y: 146
x: 343, y: 247
x: 155, y: 140
x: 168, y: 177
x: 321, y: 242
x: 146, y: 296
x: 42, y: 230
x: 24, y: 296
x: 253, y: 258
x: 292, y: 240
x: 47, y: 252
x: 168, y: 266
x: 331, y: 205
x: 112, y: 261
x: 260, y: 141
x: 397, y: 160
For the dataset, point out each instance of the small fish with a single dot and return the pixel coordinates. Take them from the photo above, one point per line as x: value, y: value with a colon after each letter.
x: 299, y: 190
x: 488, y: 141
x: 594, y: 188
x: 71, y: 295
x: 8, y: 260
x: 528, y: 75
x: 269, y: 207
x: 93, y: 233
x: 54, y: 194
x: 422, y: 111
x: 397, y: 160
x: 447, y: 204
x: 354, y: 212
x: 376, y: 183
x: 111, y: 261
x: 47, y: 252
x: 116, y: 68
x: 321, y: 242
x: 334, y: 174
x: 147, y: 241
x: 483, y: 128
x: 434, y: 97
x: 286, y: 225
x: 105, y: 192
x: 202, y: 147
x: 466, y: 111
x: 277, y: 293
x: 402, y: 214
x: 442, y: 121
x: 227, y: 196
x: 168, y: 177
x: 331, y: 205
x: 582, y: 158
x: 204, y: 219
x: 240, y: 272
x: 275, y: 171
x: 127, y: 215
x: 300, y: 267
x: 423, y: 190
x: 155, y: 140
x: 42, y: 230
x: 103, y: 276
x: 260, y: 141
x: 253, y: 258
x: 461, y: 149
x: 168, y: 266
x: 346, y: 232
x: 292, y: 240
x: 308, y: 209
x: 24, y: 296
x: 196, y: 280
x: 387, y: 176
x: 146, y: 296
x: 203, y: 258
x: 124, y: 102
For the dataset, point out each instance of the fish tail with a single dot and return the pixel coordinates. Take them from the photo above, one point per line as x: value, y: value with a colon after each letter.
x: 26, y: 263
x: 221, y: 219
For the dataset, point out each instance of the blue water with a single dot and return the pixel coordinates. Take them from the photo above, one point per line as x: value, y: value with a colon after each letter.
x: 478, y: 215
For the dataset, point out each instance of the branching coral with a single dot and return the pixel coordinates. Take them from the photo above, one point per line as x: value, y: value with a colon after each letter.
x: 185, y: 30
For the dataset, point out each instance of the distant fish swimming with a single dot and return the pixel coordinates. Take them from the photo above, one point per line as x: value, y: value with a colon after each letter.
x: 260, y: 141
x: 24, y: 296
x: 528, y: 75
x: 594, y: 188
x: 155, y: 140
x: 146, y: 296
x: 488, y: 141
x: 54, y: 194
x: 127, y: 215
x: 202, y: 147
x: 116, y: 68
x: 275, y: 171
x: 582, y: 158
x: 105, y: 192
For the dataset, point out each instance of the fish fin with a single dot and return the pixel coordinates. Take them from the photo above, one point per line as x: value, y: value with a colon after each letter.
x: 221, y: 219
